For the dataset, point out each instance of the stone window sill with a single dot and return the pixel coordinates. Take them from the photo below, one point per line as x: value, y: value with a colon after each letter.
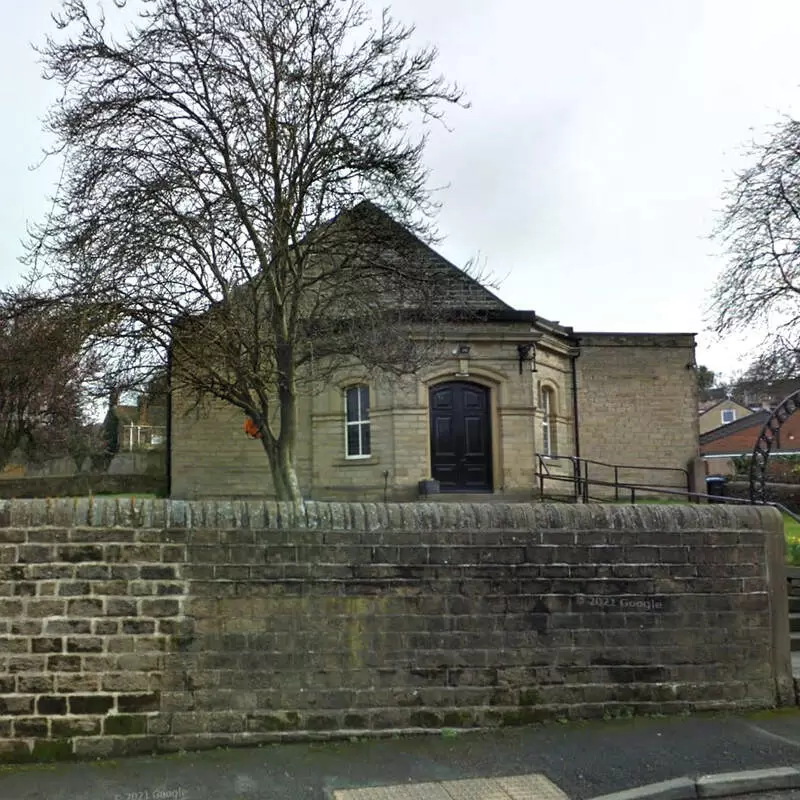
x: 358, y: 462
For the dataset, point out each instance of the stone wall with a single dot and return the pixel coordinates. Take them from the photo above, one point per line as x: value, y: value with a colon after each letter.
x: 140, y: 462
x: 211, y: 456
x: 139, y: 626
x: 82, y: 485
x: 637, y: 400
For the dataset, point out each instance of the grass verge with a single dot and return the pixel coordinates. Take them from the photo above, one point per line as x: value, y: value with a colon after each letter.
x: 791, y: 532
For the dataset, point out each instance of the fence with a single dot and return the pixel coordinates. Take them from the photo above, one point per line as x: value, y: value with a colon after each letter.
x: 142, y: 437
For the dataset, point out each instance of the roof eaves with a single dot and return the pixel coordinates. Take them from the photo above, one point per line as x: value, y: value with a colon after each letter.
x: 756, y: 419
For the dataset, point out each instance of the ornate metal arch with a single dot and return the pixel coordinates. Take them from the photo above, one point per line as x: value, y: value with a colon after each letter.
x: 758, y: 463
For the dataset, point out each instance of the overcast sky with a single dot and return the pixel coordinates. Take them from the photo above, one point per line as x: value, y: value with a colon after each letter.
x: 587, y: 173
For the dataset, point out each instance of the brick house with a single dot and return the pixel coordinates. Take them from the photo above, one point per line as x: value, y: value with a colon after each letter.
x: 721, y: 445
x: 511, y: 386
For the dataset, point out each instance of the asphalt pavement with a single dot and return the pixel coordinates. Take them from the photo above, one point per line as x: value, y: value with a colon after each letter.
x: 789, y: 794
x: 584, y: 760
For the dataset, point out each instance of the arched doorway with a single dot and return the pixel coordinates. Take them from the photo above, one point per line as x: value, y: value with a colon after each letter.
x: 461, y: 432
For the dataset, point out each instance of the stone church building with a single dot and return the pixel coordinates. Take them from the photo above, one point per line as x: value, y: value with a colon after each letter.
x: 515, y: 392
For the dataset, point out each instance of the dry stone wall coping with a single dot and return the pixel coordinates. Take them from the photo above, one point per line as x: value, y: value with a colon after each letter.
x: 149, y: 513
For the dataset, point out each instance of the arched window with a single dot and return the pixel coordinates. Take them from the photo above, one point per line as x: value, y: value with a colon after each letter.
x: 357, y: 431
x: 548, y: 407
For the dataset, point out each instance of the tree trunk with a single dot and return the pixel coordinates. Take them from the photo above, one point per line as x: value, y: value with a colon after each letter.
x: 270, y: 448
x: 280, y: 454
x: 289, y: 476
x: 287, y: 398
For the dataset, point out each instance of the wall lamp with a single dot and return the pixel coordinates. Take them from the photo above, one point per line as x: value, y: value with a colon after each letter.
x: 527, y: 352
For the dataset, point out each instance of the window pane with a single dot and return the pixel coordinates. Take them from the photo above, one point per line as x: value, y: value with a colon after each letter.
x: 364, y: 393
x: 352, y: 404
x: 365, y: 439
x: 546, y: 439
x: 353, y: 448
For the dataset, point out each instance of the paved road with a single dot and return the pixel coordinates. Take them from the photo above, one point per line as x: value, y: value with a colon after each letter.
x: 584, y: 760
x: 789, y: 794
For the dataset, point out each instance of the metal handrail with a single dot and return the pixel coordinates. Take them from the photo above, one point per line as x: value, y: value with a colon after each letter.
x: 615, y: 466
x: 681, y: 493
x: 580, y: 474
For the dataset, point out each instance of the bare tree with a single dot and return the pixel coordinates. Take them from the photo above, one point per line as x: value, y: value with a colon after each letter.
x: 760, y: 286
x: 228, y: 166
x: 42, y: 376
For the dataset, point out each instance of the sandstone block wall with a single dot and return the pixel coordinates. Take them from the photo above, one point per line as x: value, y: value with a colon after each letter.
x: 637, y: 405
x: 134, y: 627
x: 637, y: 398
x: 212, y: 458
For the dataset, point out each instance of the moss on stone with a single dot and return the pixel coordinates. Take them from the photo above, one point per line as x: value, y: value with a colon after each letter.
x: 410, y: 701
x: 292, y: 720
x: 125, y: 725
x: 530, y: 697
x: 266, y: 723
x: 522, y: 716
x: 322, y: 722
x: 52, y: 750
x: 458, y: 719
x: 425, y: 719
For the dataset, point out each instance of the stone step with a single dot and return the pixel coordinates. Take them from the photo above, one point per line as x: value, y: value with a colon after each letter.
x: 794, y: 623
x: 795, y: 637
x: 794, y: 605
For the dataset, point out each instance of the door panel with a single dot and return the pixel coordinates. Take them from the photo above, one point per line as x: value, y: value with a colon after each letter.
x: 442, y: 399
x: 474, y: 444
x: 461, y: 453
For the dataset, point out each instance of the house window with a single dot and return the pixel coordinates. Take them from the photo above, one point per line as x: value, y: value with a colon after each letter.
x: 357, y: 433
x: 728, y: 415
x: 548, y: 421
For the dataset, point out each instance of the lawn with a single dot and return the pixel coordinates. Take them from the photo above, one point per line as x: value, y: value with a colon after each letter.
x: 791, y: 531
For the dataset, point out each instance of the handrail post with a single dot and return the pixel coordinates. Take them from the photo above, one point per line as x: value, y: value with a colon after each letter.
x: 586, y: 483
x: 541, y: 480
x: 616, y: 483
x: 633, y: 495
x: 576, y: 477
